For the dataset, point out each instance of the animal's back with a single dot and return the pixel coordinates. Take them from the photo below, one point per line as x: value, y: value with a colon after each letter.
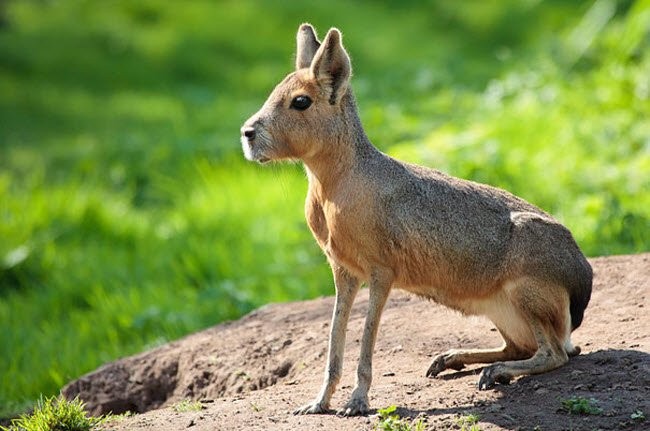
x: 452, y: 239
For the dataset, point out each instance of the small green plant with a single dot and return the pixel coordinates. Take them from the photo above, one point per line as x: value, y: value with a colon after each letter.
x: 116, y: 418
x: 55, y: 414
x: 637, y: 415
x: 187, y: 406
x: 468, y: 422
x: 581, y: 406
x: 390, y: 421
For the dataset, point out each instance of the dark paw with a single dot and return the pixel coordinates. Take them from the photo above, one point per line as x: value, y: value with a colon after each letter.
x: 437, y: 366
x: 491, y: 376
x: 443, y: 362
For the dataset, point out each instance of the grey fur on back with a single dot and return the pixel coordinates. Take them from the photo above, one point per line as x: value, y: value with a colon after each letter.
x: 476, y: 233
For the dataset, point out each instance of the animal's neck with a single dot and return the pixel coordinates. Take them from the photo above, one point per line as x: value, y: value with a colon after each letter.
x: 343, y: 154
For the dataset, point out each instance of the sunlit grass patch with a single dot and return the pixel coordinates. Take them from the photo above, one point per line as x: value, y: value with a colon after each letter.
x: 389, y: 420
x: 55, y: 414
x: 468, y: 422
x: 187, y: 406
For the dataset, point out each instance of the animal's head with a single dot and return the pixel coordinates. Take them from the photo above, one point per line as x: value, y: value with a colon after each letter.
x: 305, y: 110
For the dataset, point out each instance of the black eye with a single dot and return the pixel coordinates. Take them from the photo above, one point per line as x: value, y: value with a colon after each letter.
x: 301, y: 103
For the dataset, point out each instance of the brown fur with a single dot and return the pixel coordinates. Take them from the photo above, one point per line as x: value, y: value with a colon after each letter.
x: 471, y: 247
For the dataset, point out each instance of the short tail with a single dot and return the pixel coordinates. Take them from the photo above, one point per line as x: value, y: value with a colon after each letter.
x: 580, y: 294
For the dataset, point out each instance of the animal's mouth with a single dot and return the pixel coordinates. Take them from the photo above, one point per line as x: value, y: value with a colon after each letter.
x: 251, y: 154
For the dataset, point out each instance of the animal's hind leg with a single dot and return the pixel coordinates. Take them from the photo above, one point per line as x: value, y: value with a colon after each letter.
x: 550, y: 355
x: 519, y: 342
x: 544, y: 307
x: 457, y: 359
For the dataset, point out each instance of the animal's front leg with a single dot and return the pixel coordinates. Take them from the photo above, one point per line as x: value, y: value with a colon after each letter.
x: 347, y: 287
x: 380, y: 285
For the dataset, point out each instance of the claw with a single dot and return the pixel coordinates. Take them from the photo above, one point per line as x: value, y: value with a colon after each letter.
x: 355, y: 407
x: 491, y: 376
x: 485, y: 382
x: 314, y: 408
x: 437, y: 366
x: 442, y: 362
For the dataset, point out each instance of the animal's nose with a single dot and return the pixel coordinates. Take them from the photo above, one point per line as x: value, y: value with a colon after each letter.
x: 248, y: 132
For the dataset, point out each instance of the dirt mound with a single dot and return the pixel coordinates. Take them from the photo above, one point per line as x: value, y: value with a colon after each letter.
x: 253, y: 372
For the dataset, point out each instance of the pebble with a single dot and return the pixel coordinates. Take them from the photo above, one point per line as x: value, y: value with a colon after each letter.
x: 494, y: 408
x: 575, y: 374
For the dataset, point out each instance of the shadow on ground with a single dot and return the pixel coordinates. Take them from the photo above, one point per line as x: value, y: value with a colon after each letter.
x: 618, y: 382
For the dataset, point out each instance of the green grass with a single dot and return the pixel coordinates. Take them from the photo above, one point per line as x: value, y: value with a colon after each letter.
x: 388, y: 420
x: 187, y: 406
x: 128, y: 218
x: 468, y: 422
x: 638, y: 415
x: 55, y: 414
x: 581, y: 406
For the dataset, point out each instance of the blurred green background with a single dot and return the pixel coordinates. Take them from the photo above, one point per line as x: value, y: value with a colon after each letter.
x: 128, y: 217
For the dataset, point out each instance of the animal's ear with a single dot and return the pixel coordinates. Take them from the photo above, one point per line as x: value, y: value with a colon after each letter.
x: 307, y: 45
x: 331, y: 66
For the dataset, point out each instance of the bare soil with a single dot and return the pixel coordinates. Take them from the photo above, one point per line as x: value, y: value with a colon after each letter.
x: 250, y: 374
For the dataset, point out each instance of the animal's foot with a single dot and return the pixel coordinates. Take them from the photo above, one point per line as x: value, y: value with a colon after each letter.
x: 575, y: 352
x: 492, y: 375
x: 354, y: 407
x: 314, y: 408
x: 444, y: 361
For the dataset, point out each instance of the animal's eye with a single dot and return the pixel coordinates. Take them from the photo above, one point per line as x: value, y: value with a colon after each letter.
x: 301, y: 103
